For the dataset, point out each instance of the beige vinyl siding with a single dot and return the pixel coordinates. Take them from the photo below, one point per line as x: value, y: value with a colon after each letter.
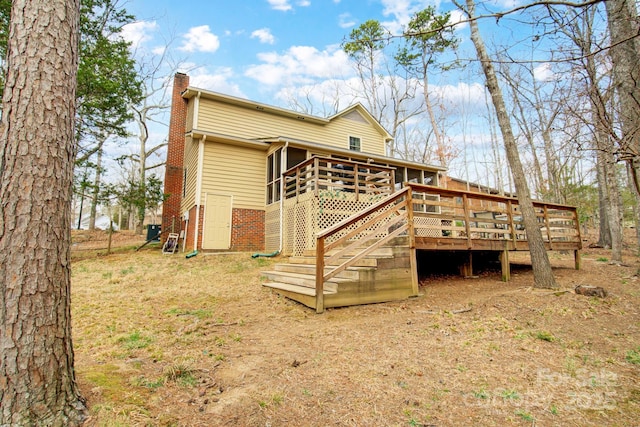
x: 190, y: 108
x: 237, y: 171
x: 191, y: 163
x: 228, y: 119
x: 341, y: 128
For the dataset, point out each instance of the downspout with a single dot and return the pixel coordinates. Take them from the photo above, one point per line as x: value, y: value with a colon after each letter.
x: 283, y: 160
x: 199, y: 189
x: 184, y: 235
x: 197, y: 196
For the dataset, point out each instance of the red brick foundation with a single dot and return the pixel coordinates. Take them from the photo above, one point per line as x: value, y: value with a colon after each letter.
x: 247, y: 230
x: 190, y: 227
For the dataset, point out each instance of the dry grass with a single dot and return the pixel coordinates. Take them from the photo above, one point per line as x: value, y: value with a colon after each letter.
x: 165, y: 340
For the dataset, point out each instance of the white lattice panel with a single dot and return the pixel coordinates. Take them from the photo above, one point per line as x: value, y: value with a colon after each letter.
x: 305, y: 216
x: 427, y: 227
x: 272, y: 227
x: 299, y: 224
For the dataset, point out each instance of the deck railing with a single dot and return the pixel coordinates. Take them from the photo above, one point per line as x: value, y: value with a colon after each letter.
x: 433, y: 218
x: 453, y: 214
x: 362, y: 233
x: 329, y: 174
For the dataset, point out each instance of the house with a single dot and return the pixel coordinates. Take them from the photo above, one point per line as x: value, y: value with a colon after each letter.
x: 247, y: 176
x: 227, y: 157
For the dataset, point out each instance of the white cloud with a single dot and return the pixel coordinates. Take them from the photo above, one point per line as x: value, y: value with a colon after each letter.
x: 460, y: 94
x: 138, y: 32
x: 159, y: 50
x: 401, y: 12
x: 543, y: 72
x: 285, y: 5
x: 301, y: 64
x: 218, y: 80
x: 282, y: 5
x: 264, y: 35
x: 456, y: 17
x: 200, y: 39
x: 345, y: 20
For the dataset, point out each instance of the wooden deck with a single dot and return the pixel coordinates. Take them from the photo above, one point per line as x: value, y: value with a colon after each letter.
x: 422, y: 217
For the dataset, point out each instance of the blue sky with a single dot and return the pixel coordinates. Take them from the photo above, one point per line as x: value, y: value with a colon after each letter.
x: 255, y: 48
x: 271, y: 50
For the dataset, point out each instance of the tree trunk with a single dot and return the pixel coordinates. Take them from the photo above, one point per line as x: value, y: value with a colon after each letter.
x: 613, y: 201
x: 604, y: 233
x: 625, y: 57
x: 96, y: 187
x: 636, y: 205
x: 37, y: 379
x: 542, y: 273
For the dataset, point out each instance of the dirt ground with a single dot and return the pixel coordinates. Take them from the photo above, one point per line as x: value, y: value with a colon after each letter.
x: 164, y: 340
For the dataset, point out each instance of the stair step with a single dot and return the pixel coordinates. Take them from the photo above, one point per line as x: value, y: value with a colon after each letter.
x: 306, y: 280
x: 303, y: 290
x: 311, y: 260
x: 382, y: 252
x: 352, y: 273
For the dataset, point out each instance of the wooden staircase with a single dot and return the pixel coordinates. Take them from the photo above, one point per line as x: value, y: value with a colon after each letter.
x: 380, y: 276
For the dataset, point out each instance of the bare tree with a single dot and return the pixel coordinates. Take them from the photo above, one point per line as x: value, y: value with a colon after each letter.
x: 542, y: 273
x: 624, y: 28
x: 37, y: 379
x: 154, y: 72
x: 597, y: 117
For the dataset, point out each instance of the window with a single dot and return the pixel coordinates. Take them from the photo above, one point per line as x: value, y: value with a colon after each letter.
x: 354, y: 143
x: 274, y: 175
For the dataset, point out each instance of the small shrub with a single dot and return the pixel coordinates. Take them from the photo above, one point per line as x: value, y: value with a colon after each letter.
x: 633, y: 356
x: 510, y: 394
x: 277, y: 398
x: 481, y: 394
x: 524, y: 415
x: 134, y: 341
x: 182, y: 374
x: 147, y: 383
x: 545, y: 336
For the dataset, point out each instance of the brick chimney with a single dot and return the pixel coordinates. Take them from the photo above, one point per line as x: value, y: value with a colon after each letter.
x: 173, y: 176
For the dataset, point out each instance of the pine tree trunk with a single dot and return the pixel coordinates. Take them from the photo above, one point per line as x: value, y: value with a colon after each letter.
x: 37, y: 380
x: 542, y: 273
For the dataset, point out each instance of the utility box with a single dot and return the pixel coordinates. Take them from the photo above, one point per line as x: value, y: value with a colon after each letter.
x: 153, y: 232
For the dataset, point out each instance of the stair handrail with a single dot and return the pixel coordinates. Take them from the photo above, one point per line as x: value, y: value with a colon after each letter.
x: 322, y: 236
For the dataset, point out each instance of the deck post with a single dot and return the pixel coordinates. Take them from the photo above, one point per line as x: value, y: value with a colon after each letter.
x: 512, y: 225
x: 547, y: 223
x: 356, y: 182
x: 577, y: 258
x: 320, y: 275
x: 467, y: 267
x: 467, y: 223
x: 504, y: 262
x: 316, y: 175
x: 413, y: 259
